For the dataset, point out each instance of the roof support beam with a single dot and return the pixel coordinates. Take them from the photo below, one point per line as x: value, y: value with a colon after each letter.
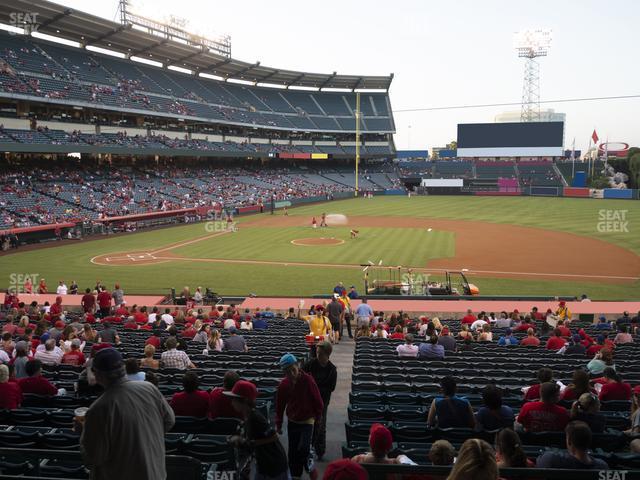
x: 245, y: 70
x: 149, y: 48
x: 110, y: 33
x: 358, y: 83
x: 328, y: 80
x: 186, y: 57
x: 296, y: 80
x: 54, y: 19
x: 273, y: 73
x: 213, y: 66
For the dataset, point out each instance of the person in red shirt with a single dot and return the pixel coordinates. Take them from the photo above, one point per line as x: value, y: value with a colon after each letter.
x: 579, y: 385
x: 189, y: 332
x: 525, y: 325
x: 397, y: 334
x: 88, y: 301
x: 56, y: 310
x: 298, y: 394
x: 564, y: 331
x: 530, y: 340
x: 10, y: 328
x: 42, y: 287
x: 141, y: 316
x: 10, y: 392
x: 122, y: 311
x: 614, y: 388
x: 556, y: 342
x: 219, y: 403
x: 154, y: 340
x: 601, y: 342
x: 215, y: 313
x: 545, y: 415
x: 75, y: 355
x: 131, y: 324
x: 104, y: 302
x: 191, y: 402
x: 544, y: 375
x: 587, y: 341
x: 35, y: 383
x: 10, y: 300
x: 536, y: 315
x: 28, y: 286
x: 469, y: 318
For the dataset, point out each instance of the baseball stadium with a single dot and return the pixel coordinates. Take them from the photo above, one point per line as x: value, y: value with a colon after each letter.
x: 238, y: 265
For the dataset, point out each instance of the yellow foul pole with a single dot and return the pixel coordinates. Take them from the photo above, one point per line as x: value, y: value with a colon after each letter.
x: 357, y: 138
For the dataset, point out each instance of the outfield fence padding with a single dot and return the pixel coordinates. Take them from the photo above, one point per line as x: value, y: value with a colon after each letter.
x: 576, y: 192
x: 618, y: 193
x: 544, y: 191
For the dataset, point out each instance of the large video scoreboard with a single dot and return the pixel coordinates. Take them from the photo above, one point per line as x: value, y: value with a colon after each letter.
x: 532, y: 139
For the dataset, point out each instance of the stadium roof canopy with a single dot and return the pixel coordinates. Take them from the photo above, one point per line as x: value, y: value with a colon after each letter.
x: 90, y: 30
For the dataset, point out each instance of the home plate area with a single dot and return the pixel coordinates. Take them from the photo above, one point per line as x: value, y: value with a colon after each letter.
x: 136, y: 257
x: 133, y: 258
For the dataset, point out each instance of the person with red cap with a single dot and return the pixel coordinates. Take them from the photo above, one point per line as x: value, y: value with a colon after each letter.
x: 257, y: 435
x: 319, y: 325
x: 344, y: 469
x: 380, y: 442
x: 299, y: 395
x: 124, y: 429
x: 562, y: 312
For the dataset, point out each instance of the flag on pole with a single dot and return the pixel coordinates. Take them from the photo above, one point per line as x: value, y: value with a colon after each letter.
x: 594, y: 137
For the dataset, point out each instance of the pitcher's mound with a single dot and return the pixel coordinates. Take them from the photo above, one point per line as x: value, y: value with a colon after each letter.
x: 314, y: 242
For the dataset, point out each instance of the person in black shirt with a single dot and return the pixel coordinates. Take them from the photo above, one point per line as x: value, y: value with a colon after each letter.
x: 257, y: 435
x: 325, y: 374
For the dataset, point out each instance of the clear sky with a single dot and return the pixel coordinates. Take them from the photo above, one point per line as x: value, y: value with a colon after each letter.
x: 442, y: 53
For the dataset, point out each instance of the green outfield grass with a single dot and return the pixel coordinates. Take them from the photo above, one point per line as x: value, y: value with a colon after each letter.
x: 406, y: 246
x: 71, y: 261
x: 575, y: 215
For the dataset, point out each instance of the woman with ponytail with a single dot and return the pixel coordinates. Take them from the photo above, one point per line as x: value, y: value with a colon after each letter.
x: 509, y: 453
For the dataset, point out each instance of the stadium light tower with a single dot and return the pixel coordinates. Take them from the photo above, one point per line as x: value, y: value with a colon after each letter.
x: 531, y: 44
